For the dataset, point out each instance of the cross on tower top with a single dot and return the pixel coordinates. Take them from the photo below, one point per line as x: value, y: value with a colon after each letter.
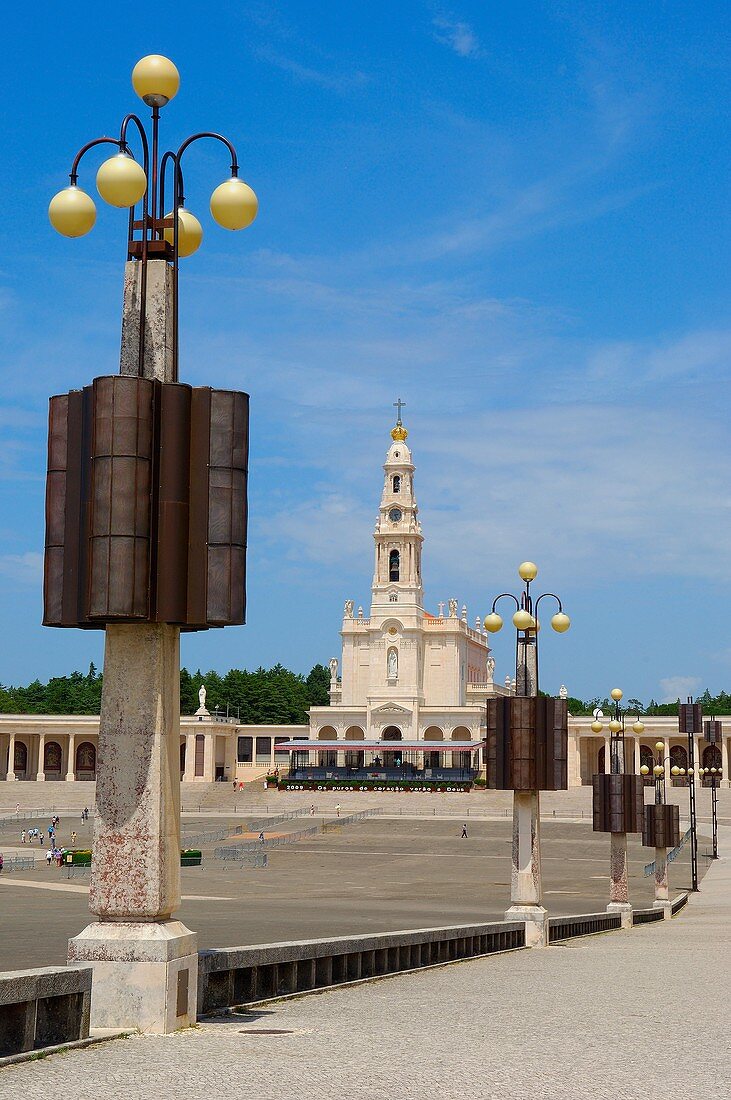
x: 399, y: 405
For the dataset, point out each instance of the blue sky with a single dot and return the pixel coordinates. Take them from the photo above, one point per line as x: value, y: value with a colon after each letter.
x: 512, y: 216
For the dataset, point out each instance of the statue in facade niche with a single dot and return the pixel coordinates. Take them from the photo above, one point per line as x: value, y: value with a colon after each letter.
x: 490, y: 669
x: 453, y: 609
x: 349, y: 605
x: 392, y: 664
x: 333, y: 662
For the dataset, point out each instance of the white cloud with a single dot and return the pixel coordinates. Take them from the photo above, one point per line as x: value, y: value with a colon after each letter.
x: 677, y: 687
x: 458, y: 35
x: 22, y: 568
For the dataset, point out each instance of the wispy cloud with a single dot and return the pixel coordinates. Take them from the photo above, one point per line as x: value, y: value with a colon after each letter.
x: 25, y: 569
x: 676, y: 687
x: 333, y: 81
x: 456, y: 34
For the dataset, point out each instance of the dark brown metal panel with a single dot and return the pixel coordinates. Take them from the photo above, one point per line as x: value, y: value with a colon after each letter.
x: 173, y: 504
x: 228, y: 456
x: 527, y: 743
x: 690, y: 718
x: 713, y: 731
x: 55, y: 510
x: 200, y: 415
x: 617, y: 803
x: 661, y: 826
x: 120, y: 522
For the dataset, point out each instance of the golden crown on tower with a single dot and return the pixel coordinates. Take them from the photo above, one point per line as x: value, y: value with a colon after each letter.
x: 399, y: 433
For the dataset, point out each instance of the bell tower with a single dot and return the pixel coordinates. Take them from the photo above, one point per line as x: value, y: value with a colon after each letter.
x: 397, y: 583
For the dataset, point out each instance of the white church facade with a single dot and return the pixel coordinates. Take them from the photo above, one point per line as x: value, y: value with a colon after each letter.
x: 405, y: 674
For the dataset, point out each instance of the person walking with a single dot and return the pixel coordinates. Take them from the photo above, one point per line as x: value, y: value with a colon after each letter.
x: 73, y: 838
x: 312, y: 810
x: 22, y: 837
x: 337, y: 810
x: 49, y: 857
x: 261, y: 836
x: 2, y: 863
x: 464, y: 833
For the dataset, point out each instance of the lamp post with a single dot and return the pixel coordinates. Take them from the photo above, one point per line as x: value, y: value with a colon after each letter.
x: 618, y: 806
x: 527, y: 750
x: 690, y: 722
x: 145, y: 535
x: 713, y: 735
x: 661, y: 826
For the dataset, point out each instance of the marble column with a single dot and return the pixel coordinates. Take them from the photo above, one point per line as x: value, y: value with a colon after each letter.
x: 724, y: 763
x: 40, y: 773
x: 662, y: 891
x: 618, y: 884
x: 526, y: 895
x: 10, y: 776
x: 209, y: 758
x: 189, y: 774
x: 71, y: 759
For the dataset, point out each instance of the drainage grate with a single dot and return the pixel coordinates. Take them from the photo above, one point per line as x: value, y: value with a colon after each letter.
x: 265, y: 1031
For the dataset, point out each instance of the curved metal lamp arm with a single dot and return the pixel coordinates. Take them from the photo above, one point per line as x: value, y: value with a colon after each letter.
x: 170, y: 158
x: 553, y: 596
x: 502, y: 596
x: 216, y: 137
x: 74, y: 173
x: 143, y: 138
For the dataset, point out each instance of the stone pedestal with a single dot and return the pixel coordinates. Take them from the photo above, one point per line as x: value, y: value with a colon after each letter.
x: 618, y: 885
x: 525, y: 888
x: 135, y: 949
x: 145, y: 974
x: 662, y: 892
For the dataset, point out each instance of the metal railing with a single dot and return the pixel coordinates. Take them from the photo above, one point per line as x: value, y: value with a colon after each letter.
x: 237, y: 976
x: 233, y: 851
x: 585, y: 924
x: 353, y: 819
x: 19, y: 863
x: 647, y: 916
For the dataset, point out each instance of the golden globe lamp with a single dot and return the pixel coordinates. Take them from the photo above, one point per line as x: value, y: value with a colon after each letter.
x: 233, y: 204
x: 660, y: 746
x: 72, y: 212
x: 658, y: 769
x: 156, y: 80
x: 644, y: 770
x: 560, y: 622
x: 190, y: 232
x: 528, y: 571
x: 616, y: 694
x: 523, y: 620
x: 596, y: 726
x: 638, y: 726
x: 493, y: 622
x: 675, y: 770
x: 615, y: 725
x: 121, y: 181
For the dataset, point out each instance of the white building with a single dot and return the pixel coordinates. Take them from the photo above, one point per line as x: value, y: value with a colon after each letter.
x: 405, y: 674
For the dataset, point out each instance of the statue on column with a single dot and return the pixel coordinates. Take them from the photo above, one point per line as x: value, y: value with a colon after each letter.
x: 349, y: 605
x: 202, y: 712
x: 453, y: 609
x: 333, y: 663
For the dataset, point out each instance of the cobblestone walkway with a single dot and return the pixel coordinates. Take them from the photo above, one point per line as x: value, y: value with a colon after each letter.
x: 630, y: 1015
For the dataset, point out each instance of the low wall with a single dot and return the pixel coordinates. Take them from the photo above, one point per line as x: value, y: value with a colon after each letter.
x: 244, y: 975
x: 44, y: 1007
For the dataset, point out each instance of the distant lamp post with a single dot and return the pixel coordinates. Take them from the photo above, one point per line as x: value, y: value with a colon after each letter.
x: 661, y: 827
x: 527, y: 750
x: 618, y: 805
x: 713, y: 735
x: 690, y: 722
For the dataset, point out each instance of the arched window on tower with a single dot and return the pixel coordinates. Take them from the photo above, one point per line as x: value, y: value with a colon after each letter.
x: 397, y: 483
x: 394, y: 564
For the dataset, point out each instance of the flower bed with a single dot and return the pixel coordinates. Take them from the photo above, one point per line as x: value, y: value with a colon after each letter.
x: 372, y: 785
x: 191, y: 857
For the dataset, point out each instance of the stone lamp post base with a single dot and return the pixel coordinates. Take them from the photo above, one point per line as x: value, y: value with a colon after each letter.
x: 536, y: 923
x: 625, y: 911
x: 145, y: 974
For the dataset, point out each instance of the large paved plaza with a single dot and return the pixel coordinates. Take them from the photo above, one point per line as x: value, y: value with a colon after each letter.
x: 617, y: 1016
x: 379, y: 875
